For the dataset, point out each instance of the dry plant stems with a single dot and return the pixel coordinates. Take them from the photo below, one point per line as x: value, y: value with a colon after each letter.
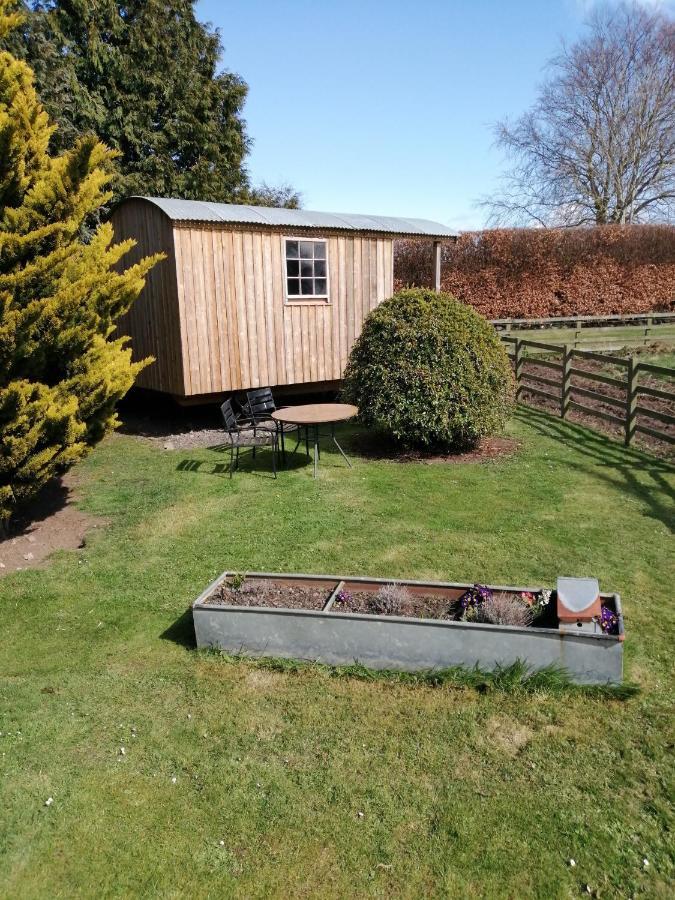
x: 391, y: 600
x: 504, y: 609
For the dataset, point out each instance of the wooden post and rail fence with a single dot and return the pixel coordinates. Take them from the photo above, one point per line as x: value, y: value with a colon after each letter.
x: 627, y: 400
x: 595, y: 332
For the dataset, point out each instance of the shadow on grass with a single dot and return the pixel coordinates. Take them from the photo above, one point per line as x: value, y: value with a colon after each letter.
x: 182, y: 631
x: 255, y: 466
x: 260, y: 465
x: 516, y: 678
x: 611, y: 462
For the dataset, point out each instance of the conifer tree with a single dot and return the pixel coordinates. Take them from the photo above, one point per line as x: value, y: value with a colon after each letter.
x: 61, y: 369
x: 143, y: 76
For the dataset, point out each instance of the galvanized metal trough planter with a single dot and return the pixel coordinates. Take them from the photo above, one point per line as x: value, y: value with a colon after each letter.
x: 335, y: 637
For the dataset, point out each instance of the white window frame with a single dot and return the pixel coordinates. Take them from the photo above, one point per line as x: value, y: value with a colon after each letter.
x: 305, y: 298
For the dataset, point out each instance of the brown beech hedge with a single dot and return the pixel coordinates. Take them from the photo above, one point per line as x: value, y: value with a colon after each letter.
x: 531, y: 273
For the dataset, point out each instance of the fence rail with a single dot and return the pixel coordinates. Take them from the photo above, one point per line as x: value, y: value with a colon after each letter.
x: 625, y: 406
x: 587, y: 321
x: 606, y: 332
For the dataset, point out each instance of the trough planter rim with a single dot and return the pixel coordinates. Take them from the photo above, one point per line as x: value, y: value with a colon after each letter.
x: 200, y: 603
x: 365, y: 579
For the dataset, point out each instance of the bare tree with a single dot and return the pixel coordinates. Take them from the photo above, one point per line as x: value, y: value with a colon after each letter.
x: 598, y: 146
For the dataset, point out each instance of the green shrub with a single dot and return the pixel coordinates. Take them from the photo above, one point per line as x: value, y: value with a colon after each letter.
x: 430, y: 372
x: 62, y: 367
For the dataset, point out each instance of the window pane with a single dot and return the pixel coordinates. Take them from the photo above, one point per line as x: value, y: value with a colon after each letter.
x: 291, y: 249
x: 320, y: 268
x: 320, y: 286
x: 319, y: 250
x: 306, y: 268
x: 292, y: 268
x: 307, y: 285
x: 306, y: 250
x: 293, y: 287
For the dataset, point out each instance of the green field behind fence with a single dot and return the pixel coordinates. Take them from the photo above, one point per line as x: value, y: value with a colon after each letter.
x: 595, y: 332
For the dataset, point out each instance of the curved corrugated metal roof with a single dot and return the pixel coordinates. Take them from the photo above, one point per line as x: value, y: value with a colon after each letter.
x: 231, y: 213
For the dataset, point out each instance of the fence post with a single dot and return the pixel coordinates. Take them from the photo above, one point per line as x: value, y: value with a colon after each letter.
x: 566, y: 382
x: 518, y: 364
x: 631, y: 399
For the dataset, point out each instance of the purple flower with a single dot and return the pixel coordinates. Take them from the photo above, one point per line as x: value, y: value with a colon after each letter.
x: 474, y: 596
x: 609, y: 621
x: 343, y: 596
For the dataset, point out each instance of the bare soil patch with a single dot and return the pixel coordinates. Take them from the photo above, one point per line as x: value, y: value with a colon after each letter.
x: 259, y: 592
x: 50, y: 522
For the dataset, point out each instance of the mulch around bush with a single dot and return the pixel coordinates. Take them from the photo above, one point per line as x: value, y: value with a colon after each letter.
x: 489, y: 449
x: 416, y: 607
x: 260, y: 592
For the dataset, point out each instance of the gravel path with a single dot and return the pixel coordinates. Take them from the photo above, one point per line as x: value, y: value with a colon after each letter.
x: 180, y: 432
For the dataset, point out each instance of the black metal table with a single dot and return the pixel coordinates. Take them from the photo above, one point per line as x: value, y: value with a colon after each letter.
x: 311, y: 417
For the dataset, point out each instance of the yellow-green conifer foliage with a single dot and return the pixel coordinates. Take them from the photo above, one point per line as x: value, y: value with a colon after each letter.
x: 61, y: 292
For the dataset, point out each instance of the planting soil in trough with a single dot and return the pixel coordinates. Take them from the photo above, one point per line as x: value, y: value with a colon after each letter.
x: 260, y: 592
x: 408, y: 605
x: 477, y: 604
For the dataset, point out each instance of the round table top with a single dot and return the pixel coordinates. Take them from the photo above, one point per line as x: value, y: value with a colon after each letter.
x: 315, y: 413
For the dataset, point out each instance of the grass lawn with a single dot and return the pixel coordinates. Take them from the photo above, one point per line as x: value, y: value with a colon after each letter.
x: 463, y: 792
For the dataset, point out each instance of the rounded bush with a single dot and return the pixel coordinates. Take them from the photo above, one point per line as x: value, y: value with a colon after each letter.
x: 430, y: 372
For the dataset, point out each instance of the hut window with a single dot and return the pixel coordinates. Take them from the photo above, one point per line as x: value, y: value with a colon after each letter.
x: 306, y: 270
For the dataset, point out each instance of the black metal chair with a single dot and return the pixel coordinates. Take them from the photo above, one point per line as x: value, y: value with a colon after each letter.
x: 260, y: 405
x: 247, y: 434
x: 258, y: 410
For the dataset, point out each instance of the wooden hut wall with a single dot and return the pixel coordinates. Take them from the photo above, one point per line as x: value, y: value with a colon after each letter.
x: 237, y: 328
x: 153, y: 321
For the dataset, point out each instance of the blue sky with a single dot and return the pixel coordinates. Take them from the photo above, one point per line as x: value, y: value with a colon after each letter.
x: 383, y: 106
